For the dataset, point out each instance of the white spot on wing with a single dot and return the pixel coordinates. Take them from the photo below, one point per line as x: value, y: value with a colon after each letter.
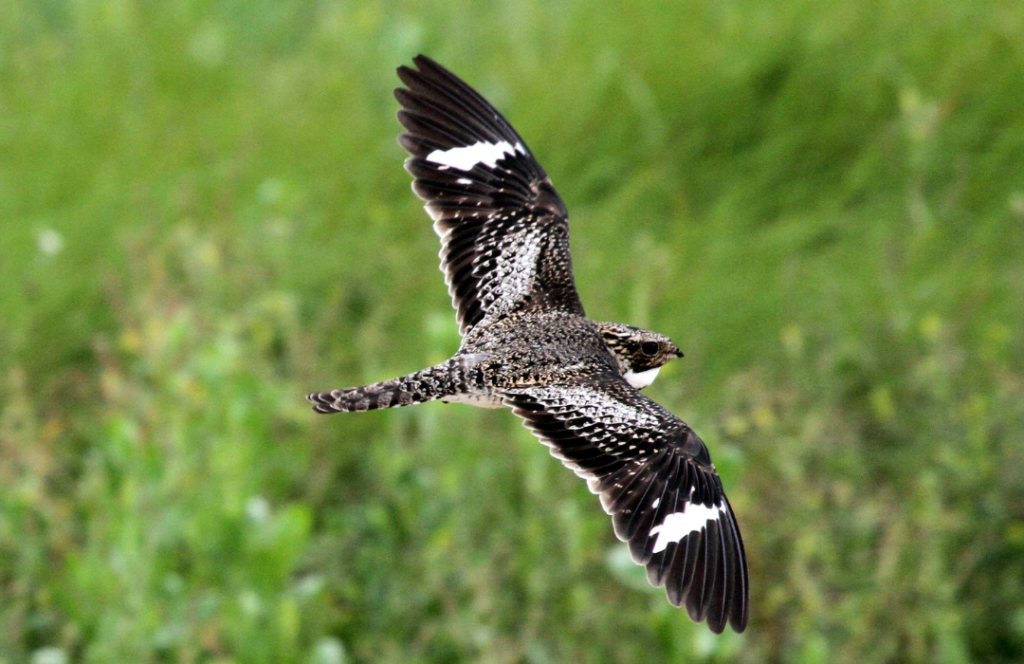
x: 465, y: 158
x: 641, y: 379
x: 678, y: 525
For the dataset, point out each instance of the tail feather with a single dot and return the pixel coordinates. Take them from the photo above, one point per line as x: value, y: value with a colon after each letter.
x: 441, y: 380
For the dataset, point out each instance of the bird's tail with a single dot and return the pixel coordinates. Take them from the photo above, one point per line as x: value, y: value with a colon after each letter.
x: 441, y: 380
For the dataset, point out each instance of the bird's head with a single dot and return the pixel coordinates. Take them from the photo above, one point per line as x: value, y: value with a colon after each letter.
x: 641, y: 353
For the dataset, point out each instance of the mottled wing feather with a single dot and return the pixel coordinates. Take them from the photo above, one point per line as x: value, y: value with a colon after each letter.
x: 655, y: 477
x: 504, y: 230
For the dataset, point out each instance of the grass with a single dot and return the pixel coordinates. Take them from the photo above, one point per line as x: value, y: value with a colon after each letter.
x: 203, y: 217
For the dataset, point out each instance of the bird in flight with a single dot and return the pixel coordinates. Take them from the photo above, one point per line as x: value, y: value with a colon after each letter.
x: 528, y: 345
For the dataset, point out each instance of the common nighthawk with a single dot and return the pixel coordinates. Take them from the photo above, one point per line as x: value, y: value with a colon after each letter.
x: 527, y: 344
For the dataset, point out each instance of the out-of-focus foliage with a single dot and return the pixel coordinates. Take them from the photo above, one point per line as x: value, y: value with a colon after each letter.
x: 203, y: 217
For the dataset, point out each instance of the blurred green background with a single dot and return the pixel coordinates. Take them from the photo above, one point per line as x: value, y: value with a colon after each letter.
x: 203, y: 216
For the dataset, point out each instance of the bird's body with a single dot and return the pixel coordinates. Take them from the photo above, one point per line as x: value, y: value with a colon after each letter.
x: 528, y: 345
x: 530, y: 348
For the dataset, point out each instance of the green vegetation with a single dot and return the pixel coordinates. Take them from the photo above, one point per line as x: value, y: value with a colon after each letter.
x: 203, y: 217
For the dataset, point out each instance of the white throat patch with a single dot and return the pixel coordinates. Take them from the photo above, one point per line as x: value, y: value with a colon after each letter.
x: 641, y: 379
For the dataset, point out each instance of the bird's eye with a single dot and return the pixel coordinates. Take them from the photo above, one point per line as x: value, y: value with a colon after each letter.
x: 649, y: 348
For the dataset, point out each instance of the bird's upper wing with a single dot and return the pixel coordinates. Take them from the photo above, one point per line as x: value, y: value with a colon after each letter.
x: 504, y: 229
x: 655, y: 477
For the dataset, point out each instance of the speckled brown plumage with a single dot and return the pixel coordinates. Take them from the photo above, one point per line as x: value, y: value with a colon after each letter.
x: 528, y: 345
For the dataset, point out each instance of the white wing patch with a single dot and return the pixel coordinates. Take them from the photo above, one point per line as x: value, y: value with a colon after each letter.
x: 641, y: 379
x: 465, y: 158
x: 678, y: 525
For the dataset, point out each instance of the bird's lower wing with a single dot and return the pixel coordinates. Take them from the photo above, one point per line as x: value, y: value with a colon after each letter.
x: 655, y: 477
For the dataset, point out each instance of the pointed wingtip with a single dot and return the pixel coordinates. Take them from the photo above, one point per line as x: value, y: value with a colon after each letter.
x: 421, y: 63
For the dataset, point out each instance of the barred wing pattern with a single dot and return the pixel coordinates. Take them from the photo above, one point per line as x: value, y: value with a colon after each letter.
x: 504, y: 229
x: 655, y: 477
